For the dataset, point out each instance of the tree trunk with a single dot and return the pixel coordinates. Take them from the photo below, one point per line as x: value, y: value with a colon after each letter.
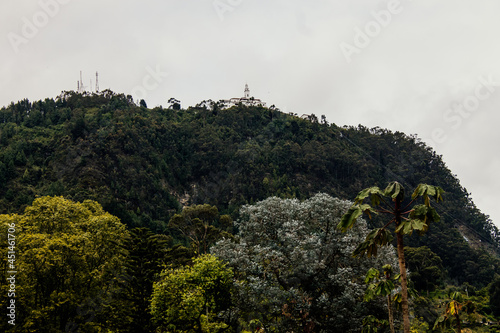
x: 404, y: 286
x: 459, y: 326
x: 391, y: 315
x: 402, y: 271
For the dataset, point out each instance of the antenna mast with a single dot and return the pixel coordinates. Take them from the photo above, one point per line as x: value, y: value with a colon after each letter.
x: 81, y: 87
x: 96, y: 82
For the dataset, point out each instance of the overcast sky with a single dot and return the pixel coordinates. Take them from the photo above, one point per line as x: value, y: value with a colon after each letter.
x: 422, y: 67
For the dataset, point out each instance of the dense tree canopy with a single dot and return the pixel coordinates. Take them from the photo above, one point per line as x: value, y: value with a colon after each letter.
x: 69, y: 257
x: 201, y: 226
x: 144, y: 165
x: 193, y: 299
x: 148, y: 253
x: 295, y: 271
x: 425, y: 266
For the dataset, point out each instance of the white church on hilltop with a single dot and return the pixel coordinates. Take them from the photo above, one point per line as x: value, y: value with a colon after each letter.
x: 245, y: 100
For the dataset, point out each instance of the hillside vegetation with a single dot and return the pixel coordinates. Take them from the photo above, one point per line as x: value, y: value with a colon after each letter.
x: 144, y: 165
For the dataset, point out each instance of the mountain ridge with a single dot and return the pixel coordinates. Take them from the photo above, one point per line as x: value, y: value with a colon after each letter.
x: 144, y: 164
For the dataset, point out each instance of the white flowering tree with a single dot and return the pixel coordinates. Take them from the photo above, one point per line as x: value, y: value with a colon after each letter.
x: 295, y: 270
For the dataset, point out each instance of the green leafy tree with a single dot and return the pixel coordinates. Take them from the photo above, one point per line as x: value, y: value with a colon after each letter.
x: 202, y: 226
x: 382, y: 286
x: 494, y: 292
x: 456, y: 310
x: 418, y: 325
x: 373, y: 325
x: 69, y: 256
x: 147, y: 256
x: 295, y: 271
x: 425, y: 266
x: 139, y: 165
x: 405, y: 220
x: 174, y: 104
x: 193, y: 298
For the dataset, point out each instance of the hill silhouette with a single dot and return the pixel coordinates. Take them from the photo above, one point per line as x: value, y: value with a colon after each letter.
x: 144, y: 164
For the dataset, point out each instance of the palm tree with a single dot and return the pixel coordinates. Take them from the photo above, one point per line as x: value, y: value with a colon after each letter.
x: 404, y: 218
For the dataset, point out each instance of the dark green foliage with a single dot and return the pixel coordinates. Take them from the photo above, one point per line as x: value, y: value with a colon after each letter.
x: 146, y: 258
x: 494, y: 292
x: 373, y: 325
x: 201, y: 226
x: 425, y: 266
x: 140, y: 163
x: 404, y: 219
x: 79, y: 128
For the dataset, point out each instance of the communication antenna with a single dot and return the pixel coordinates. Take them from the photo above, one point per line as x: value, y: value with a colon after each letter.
x: 81, y: 83
x: 81, y: 87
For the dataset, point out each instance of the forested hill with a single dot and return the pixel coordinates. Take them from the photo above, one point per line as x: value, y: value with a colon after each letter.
x: 144, y: 164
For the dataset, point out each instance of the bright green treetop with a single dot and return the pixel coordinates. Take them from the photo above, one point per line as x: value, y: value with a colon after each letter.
x: 68, y: 256
x: 193, y: 299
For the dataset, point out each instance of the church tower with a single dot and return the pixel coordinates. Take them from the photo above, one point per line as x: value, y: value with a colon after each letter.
x: 247, y: 91
x: 245, y: 100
